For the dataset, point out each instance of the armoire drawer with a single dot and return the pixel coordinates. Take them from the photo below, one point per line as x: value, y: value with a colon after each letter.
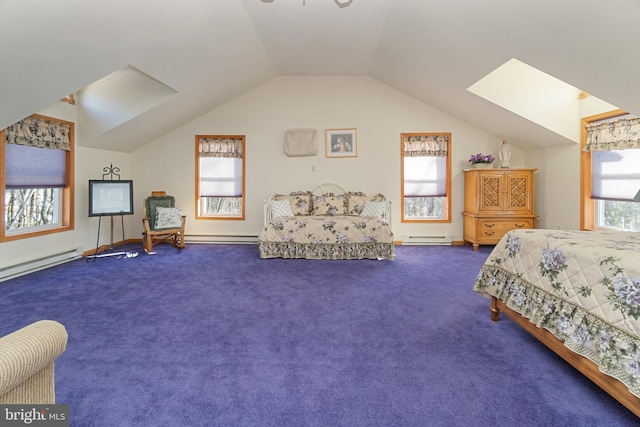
x: 499, y: 227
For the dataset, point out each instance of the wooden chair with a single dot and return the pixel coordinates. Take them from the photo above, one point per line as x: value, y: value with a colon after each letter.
x: 168, y: 227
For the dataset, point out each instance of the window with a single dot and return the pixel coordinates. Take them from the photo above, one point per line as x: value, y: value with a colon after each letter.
x: 610, y: 172
x: 617, y: 215
x: 37, y: 177
x: 426, y: 177
x: 220, y: 176
x: 615, y: 177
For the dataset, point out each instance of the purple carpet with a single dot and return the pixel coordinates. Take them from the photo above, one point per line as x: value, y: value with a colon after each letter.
x: 215, y: 336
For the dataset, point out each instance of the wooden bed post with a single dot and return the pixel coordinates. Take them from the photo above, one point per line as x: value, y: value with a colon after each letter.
x: 495, y: 311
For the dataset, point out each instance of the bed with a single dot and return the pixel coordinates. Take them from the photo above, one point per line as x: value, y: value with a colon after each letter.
x: 579, y: 293
x: 327, y: 222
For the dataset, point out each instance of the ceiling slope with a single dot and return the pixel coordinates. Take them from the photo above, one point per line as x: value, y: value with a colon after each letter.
x: 212, y: 51
x: 445, y: 47
x: 207, y: 51
x: 315, y: 37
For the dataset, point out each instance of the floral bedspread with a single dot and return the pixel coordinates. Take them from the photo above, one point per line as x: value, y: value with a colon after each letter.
x: 584, y: 287
x: 327, y: 237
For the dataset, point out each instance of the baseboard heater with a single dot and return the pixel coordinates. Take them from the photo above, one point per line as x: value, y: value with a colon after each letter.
x: 220, y: 238
x: 25, y: 267
x: 426, y: 240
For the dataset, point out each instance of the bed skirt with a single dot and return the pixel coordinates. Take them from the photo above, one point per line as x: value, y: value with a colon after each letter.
x: 370, y: 250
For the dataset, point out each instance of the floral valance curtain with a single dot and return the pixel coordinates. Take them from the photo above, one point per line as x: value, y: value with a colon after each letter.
x: 39, y: 132
x: 221, y: 147
x: 426, y: 146
x: 620, y: 134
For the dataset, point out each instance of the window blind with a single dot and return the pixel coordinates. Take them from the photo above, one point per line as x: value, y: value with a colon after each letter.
x: 220, y: 177
x: 425, y: 176
x: 33, y: 167
x: 615, y: 174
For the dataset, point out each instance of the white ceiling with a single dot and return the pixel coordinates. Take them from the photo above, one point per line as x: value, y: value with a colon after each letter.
x: 212, y: 51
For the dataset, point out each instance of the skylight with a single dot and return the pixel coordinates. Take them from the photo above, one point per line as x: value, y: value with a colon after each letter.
x: 118, y: 98
x: 534, y: 95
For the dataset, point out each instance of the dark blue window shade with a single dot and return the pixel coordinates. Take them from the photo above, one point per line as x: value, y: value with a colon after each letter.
x: 33, y: 167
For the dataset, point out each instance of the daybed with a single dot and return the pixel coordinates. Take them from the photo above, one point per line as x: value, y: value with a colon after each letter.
x: 577, y: 292
x: 327, y: 223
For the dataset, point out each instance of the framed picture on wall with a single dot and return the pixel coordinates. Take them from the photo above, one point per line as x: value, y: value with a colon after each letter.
x: 342, y: 142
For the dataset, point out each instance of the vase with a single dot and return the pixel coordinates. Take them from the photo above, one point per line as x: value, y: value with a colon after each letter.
x: 481, y: 165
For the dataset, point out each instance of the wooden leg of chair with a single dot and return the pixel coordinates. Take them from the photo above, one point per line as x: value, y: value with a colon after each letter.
x: 148, y: 243
x: 181, y: 235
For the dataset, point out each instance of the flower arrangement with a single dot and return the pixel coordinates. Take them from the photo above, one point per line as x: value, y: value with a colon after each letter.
x: 481, y: 158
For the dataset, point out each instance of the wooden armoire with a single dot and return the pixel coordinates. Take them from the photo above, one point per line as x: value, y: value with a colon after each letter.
x: 496, y: 201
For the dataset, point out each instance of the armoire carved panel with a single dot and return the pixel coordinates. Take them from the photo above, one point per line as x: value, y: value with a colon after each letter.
x: 496, y: 201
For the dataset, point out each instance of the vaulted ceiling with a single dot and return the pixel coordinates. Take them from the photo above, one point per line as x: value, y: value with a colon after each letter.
x: 206, y: 53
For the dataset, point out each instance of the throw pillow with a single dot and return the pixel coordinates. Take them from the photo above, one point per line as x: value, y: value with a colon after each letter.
x: 300, y: 202
x: 329, y: 205
x: 168, y: 218
x: 373, y: 209
x: 280, y: 208
x: 355, y: 202
x: 378, y: 198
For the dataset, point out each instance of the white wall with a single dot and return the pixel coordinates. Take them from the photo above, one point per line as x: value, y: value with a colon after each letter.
x: 557, y: 186
x: 379, y: 113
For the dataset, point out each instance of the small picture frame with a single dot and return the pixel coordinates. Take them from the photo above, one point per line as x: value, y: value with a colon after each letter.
x: 342, y: 143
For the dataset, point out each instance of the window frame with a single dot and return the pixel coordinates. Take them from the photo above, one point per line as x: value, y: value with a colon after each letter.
x: 198, y: 215
x: 66, y: 193
x: 447, y: 205
x: 587, y: 205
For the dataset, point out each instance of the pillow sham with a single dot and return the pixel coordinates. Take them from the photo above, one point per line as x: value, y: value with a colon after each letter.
x: 300, y: 202
x: 373, y: 209
x: 378, y: 198
x: 168, y: 218
x: 280, y: 208
x: 329, y: 205
x: 355, y: 202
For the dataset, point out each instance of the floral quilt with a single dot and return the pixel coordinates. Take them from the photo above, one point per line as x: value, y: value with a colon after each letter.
x: 583, y: 286
x: 327, y: 237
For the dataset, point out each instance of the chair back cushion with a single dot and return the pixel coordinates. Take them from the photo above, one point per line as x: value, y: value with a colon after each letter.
x: 151, y: 203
